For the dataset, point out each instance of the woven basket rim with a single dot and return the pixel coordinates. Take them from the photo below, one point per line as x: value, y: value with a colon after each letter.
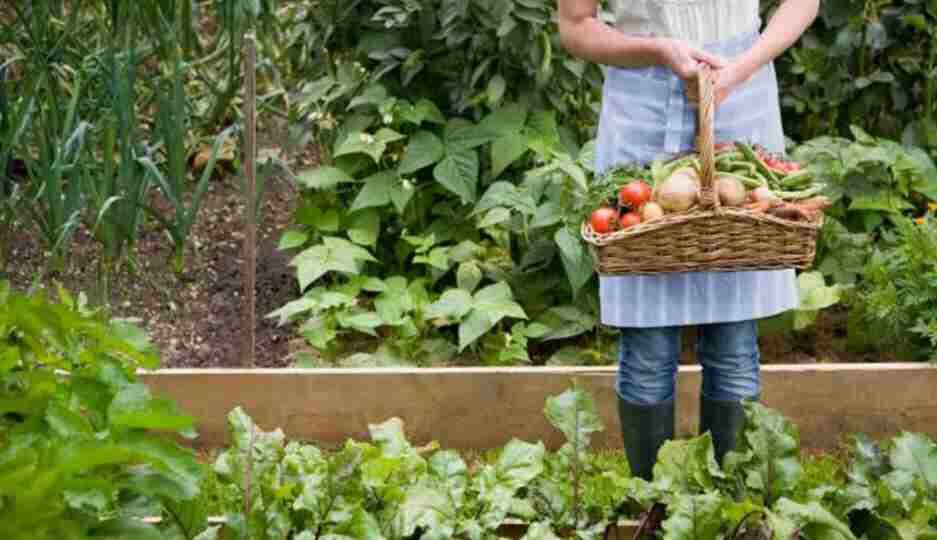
x: 676, y: 220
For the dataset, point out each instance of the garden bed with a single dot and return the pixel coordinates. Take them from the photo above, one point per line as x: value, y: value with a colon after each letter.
x: 329, y: 406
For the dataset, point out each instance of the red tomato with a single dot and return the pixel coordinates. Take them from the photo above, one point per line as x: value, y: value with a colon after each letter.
x: 603, y: 220
x: 634, y: 194
x: 629, y: 219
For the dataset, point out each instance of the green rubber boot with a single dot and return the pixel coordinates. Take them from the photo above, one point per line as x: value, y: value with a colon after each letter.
x: 644, y: 429
x: 724, y: 420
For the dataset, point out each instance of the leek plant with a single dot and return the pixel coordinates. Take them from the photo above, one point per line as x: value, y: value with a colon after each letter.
x: 172, y: 124
x: 117, y: 190
x: 55, y: 199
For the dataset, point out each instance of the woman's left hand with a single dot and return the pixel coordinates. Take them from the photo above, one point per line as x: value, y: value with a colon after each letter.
x: 727, y: 79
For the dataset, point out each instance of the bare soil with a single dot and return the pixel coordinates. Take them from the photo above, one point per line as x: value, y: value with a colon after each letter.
x: 194, y: 319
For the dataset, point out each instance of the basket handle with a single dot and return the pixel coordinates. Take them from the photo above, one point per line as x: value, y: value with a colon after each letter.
x: 705, y: 138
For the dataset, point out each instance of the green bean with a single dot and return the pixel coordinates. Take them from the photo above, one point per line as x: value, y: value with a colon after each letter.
x: 762, y: 167
x: 816, y: 189
x: 797, y: 179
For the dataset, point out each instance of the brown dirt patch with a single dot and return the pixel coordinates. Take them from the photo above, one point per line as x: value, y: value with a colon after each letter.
x: 195, y: 320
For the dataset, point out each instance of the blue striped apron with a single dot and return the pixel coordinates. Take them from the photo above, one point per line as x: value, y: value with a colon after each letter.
x: 645, y: 115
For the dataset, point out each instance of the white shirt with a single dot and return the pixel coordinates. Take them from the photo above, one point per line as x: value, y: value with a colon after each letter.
x: 697, y: 21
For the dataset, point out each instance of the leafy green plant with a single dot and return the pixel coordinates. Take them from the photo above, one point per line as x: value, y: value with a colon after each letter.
x: 896, y: 297
x: 78, y: 454
x: 54, y: 198
x: 870, y: 63
x: 172, y: 127
x: 117, y: 190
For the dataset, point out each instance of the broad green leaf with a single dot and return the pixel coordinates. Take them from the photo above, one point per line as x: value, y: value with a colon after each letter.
x: 815, y: 295
x: 868, y: 462
x: 292, y: 239
x: 401, y: 194
x: 362, y: 322
x: 423, y: 111
x: 134, y: 407
x: 376, y: 192
x: 562, y: 322
x: 468, y: 276
x: 438, y: 258
x: 548, y: 214
x: 507, y: 195
x: 917, y: 455
x: 576, y: 259
x: 449, y: 468
x: 519, y: 463
x: 323, y: 178
x: 458, y: 173
x: 495, y: 216
x: 333, y: 255
x: 768, y: 451
x: 394, y: 301
x: 374, y: 94
x: 461, y: 135
x: 390, y: 437
x: 67, y: 424
x: 573, y: 413
x: 453, y: 304
x: 491, y: 304
x: 505, y: 151
x: 366, y: 143
x: 811, y: 518
x: 506, y: 122
x: 365, y: 227
x: 425, y: 507
x: 687, y: 466
x: 695, y: 517
x: 423, y: 149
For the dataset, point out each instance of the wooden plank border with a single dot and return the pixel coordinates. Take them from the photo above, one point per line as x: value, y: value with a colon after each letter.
x: 478, y: 408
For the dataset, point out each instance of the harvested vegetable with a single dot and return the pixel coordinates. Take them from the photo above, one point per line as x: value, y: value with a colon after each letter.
x: 629, y: 219
x: 604, y: 220
x: 763, y: 193
x: 634, y: 194
x: 730, y: 190
x: 679, y: 192
x: 651, y: 211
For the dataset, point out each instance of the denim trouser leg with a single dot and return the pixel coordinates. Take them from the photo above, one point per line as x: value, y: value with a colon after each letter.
x: 647, y: 364
x: 649, y: 357
x: 729, y: 355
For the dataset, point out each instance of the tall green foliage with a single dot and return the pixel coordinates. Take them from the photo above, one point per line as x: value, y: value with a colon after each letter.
x: 80, y: 454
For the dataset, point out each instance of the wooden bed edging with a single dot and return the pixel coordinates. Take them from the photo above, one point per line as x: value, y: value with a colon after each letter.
x: 479, y: 408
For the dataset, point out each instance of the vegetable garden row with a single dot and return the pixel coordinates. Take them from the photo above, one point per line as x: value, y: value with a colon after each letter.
x: 87, y: 450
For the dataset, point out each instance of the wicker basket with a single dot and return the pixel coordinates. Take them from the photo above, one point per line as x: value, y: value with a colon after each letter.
x: 708, y: 236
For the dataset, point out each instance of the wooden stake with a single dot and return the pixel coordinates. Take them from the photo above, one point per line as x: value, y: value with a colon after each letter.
x: 250, y: 216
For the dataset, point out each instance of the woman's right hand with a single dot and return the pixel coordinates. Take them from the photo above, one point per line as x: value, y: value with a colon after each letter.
x: 684, y: 59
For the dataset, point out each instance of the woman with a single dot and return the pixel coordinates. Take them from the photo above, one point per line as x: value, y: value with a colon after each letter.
x: 653, y: 53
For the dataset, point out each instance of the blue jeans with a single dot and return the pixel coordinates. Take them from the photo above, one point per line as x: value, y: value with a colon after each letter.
x: 728, y: 352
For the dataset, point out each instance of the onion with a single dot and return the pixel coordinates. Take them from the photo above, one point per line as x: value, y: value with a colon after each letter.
x: 731, y: 190
x: 763, y: 193
x: 651, y: 210
x: 679, y: 192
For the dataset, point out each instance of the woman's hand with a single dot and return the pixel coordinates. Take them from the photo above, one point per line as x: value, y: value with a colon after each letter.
x: 727, y: 79
x: 685, y: 60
